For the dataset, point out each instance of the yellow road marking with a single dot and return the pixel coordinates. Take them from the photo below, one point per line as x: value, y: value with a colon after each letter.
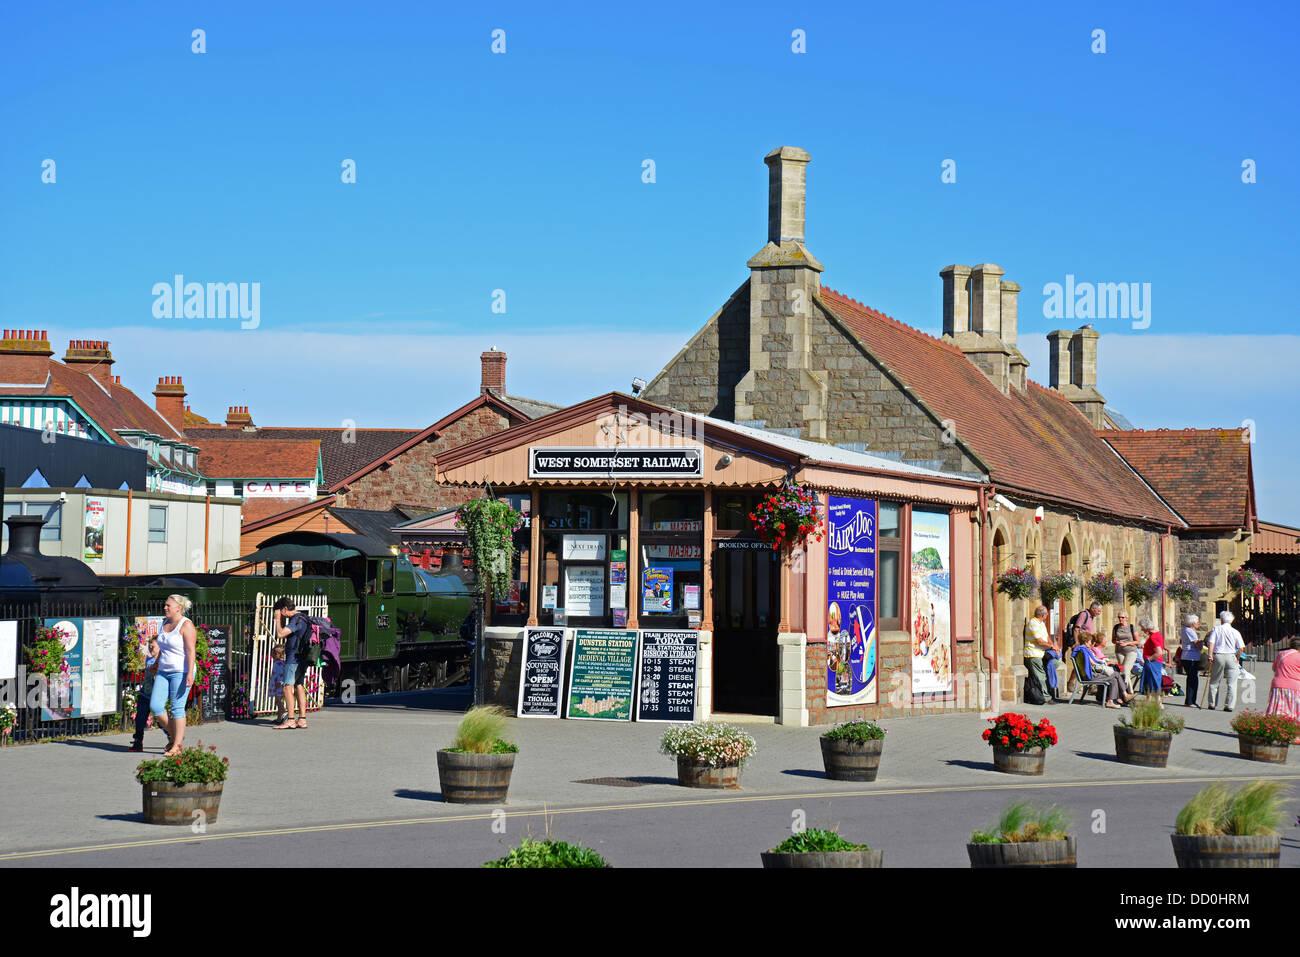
x: 642, y: 805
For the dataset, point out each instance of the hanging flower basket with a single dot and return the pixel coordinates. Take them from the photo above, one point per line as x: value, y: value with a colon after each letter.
x: 1105, y: 589
x: 1060, y: 585
x: 1183, y: 590
x: 490, y: 526
x: 787, y: 516
x: 1141, y: 589
x: 1017, y: 583
x: 1250, y: 582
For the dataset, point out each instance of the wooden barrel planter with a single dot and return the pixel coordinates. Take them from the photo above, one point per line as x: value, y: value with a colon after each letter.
x: 852, y: 760
x: 1260, y: 749
x: 1146, y: 748
x: 867, y: 858
x: 1219, y: 850
x: 1011, y: 761
x: 1024, y: 854
x: 168, y: 803
x: 697, y: 774
x: 474, y: 778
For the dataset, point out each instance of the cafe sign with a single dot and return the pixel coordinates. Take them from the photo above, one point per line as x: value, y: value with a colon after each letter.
x: 583, y: 463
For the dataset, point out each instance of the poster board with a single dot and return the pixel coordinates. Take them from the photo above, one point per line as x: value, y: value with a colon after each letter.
x: 656, y: 591
x: 216, y: 700
x: 541, y: 678
x: 931, y: 626
x: 90, y: 649
x: 667, y: 682
x: 851, y: 639
x: 602, y: 675
x: 8, y: 650
x: 584, y: 591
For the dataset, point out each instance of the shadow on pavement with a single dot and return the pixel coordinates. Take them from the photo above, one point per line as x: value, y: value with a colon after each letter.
x: 1223, y: 754
x: 136, y: 816
x: 973, y: 765
x: 418, y: 795
x: 1098, y: 756
x: 100, y: 745
x: 805, y: 773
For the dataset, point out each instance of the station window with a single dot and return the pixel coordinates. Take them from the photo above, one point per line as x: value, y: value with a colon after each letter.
x: 671, y: 567
x: 889, y: 553
x: 52, y: 512
x: 584, y: 557
x: 158, y: 523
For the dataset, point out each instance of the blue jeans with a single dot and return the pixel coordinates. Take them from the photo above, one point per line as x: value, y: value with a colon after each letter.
x: 169, y: 684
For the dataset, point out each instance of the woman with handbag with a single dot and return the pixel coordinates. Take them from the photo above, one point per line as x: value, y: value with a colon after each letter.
x: 1187, y: 659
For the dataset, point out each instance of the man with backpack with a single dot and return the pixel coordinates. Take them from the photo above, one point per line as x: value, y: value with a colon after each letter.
x: 293, y: 628
x: 1084, y: 623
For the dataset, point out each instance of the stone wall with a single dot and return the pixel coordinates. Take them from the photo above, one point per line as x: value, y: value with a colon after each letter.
x: 505, y: 659
x: 894, y: 696
x: 703, y: 376
x: 410, y: 478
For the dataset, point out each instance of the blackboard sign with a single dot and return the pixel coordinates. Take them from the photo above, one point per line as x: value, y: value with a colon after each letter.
x: 217, y: 698
x: 666, y: 690
x: 541, y: 679
x: 602, y: 674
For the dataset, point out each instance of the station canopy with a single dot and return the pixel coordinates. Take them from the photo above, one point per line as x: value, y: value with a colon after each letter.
x: 316, y: 547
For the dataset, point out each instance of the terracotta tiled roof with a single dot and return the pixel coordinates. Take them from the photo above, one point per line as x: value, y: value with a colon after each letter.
x: 236, y: 458
x: 1034, y: 442
x: 111, y: 406
x: 1204, y: 474
x: 338, y: 458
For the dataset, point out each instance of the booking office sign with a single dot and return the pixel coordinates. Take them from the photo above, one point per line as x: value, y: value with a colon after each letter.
x: 851, y: 659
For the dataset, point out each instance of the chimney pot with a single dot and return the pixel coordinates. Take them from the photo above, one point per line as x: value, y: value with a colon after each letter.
x: 493, y: 372
x: 956, y: 299
x: 986, y: 299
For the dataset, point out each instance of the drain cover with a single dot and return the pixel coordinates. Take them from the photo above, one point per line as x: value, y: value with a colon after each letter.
x: 616, y: 782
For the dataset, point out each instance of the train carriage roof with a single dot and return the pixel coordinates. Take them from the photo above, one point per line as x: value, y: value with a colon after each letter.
x: 304, y: 546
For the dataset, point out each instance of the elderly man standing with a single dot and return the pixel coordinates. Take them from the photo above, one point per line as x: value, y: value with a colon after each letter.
x: 1037, y: 643
x: 1224, y: 646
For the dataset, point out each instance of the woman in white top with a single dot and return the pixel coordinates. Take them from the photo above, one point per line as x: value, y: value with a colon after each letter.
x: 176, y: 661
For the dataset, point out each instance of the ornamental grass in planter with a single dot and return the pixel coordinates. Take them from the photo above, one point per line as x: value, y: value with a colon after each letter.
x: 1265, y: 737
x: 1019, y: 745
x: 550, y: 853
x: 851, y: 751
x: 184, y: 788
x: 709, y: 754
x: 817, y: 847
x: 1026, y: 835
x: 1218, y: 828
x: 476, y: 768
x: 1143, y: 738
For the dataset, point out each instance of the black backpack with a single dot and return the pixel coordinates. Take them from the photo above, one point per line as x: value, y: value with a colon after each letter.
x: 1068, y: 640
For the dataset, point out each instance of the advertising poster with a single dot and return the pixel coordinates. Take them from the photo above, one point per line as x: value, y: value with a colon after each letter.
x: 656, y: 591
x: 550, y: 595
x: 851, y: 658
x: 93, y: 542
x: 61, y: 696
x: 602, y: 674
x: 666, y: 689
x: 542, y: 674
x: 99, y: 665
x: 931, y: 626
x: 618, y: 566
x: 584, y: 591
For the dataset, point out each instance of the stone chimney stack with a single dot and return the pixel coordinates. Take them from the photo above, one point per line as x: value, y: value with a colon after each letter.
x: 1073, y: 371
x: 784, y: 293
x: 986, y: 300
x: 92, y: 357
x: 169, y: 400
x: 238, y: 417
x: 956, y: 299
x: 24, y: 355
x: 494, y: 372
x: 786, y: 179
x: 988, y: 336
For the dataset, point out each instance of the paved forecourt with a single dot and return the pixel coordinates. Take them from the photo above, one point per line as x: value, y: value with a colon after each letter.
x: 374, y: 761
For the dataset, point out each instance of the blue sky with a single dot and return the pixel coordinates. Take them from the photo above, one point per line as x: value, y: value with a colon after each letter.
x: 522, y: 171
